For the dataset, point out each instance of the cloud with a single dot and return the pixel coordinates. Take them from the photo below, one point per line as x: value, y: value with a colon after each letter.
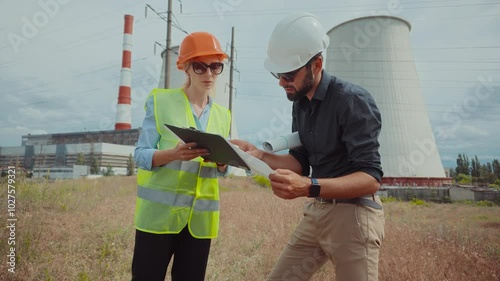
x: 66, y: 77
x: 11, y: 136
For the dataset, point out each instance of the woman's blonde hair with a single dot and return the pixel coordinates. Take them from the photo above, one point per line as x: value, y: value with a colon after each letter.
x: 187, y: 83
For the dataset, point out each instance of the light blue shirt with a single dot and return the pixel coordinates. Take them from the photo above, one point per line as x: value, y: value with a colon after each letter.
x: 149, y: 137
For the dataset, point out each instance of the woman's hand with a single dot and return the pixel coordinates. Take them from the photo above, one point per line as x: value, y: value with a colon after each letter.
x: 221, y: 167
x: 188, y: 151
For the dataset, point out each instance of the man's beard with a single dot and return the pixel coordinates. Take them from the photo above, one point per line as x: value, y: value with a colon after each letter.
x: 308, y: 83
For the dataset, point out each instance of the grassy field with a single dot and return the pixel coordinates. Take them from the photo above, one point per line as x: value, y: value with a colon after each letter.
x: 83, y: 230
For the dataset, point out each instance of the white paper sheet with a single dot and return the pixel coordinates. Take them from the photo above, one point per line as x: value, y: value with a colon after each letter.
x: 256, y: 165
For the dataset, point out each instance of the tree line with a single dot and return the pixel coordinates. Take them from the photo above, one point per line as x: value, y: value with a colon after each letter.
x: 472, y: 171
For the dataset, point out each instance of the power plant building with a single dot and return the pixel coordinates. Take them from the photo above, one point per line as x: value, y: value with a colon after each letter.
x: 55, y: 152
x: 374, y: 52
x: 58, y: 155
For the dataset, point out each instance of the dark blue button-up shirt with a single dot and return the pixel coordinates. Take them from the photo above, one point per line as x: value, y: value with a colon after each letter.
x: 339, y: 129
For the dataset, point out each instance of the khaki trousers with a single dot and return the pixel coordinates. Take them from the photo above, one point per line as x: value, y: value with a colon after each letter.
x: 349, y: 235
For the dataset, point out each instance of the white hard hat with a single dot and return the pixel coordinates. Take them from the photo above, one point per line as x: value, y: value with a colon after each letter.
x: 295, y: 40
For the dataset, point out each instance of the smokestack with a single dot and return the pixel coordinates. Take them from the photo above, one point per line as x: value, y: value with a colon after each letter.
x: 123, y: 114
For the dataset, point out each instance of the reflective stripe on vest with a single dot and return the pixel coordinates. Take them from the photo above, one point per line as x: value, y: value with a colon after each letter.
x: 164, y: 197
x: 177, y: 200
x: 192, y: 167
x: 180, y: 192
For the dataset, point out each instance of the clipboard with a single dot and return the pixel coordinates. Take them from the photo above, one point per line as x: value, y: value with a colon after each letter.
x: 221, y: 150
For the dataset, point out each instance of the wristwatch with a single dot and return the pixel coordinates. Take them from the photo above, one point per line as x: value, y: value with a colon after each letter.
x: 315, y: 188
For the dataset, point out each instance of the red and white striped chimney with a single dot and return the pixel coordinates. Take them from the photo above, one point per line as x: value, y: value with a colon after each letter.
x: 123, y: 114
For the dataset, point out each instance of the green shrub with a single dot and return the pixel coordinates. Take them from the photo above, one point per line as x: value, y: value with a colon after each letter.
x: 495, y: 185
x: 485, y: 203
x: 261, y: 180
x: 388, y: 199
x: 418, y: 202
x: 445, y: 199
x: 463, y: 179
x: 467, y: 202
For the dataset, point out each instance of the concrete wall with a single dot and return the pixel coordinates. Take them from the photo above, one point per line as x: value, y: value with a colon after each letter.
x: 441, y: 194
x: 493, y: 195
x: 75, y: 172
x: 427, y: 194
x: 461, y: 194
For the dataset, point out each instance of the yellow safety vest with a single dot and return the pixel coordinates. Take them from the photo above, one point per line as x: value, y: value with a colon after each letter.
x: 180, y: 192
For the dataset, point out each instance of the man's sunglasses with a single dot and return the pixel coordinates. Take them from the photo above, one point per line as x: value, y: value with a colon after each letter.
x: 290, y: 76
x: 200, y: 67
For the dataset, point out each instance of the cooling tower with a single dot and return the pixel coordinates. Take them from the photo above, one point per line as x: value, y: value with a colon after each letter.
x: 123, y: 113
x: 374, y: 52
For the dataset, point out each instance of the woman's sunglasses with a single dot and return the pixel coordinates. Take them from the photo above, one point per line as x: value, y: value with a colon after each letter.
x: 200, y: 67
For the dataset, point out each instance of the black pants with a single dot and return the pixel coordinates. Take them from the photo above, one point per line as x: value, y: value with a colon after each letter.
x: 152, y: 254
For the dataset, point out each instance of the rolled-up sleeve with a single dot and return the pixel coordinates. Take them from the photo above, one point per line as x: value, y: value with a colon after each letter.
x: 362, y: 125
x: 148, y: 139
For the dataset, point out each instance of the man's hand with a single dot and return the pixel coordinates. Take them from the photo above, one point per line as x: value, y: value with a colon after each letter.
x: 289, y: 185
x: 248, y: 148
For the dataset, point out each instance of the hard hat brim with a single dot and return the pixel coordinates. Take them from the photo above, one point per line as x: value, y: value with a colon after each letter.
x: 180, y: 65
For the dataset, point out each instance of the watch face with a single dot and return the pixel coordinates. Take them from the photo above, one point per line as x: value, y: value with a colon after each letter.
x: 314, y: 191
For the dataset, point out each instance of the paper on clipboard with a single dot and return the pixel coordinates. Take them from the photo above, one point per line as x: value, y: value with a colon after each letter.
x: 221, y: 150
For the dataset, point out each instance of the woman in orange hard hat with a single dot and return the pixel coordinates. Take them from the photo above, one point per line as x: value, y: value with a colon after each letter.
x: 177, y: 205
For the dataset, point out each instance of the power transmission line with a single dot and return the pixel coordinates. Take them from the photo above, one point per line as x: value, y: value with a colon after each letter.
x: 168, y: 45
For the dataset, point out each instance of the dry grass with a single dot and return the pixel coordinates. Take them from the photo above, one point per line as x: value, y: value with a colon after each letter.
x: 73, y: 230
x: 83, y: 230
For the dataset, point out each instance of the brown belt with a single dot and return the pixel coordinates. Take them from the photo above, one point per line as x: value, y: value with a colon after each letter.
x: 368, y: 201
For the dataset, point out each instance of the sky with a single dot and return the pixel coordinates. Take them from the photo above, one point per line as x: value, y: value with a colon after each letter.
x: 60, y: 63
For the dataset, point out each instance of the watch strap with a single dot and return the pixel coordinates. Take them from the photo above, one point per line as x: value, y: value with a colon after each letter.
x: 315, y: 188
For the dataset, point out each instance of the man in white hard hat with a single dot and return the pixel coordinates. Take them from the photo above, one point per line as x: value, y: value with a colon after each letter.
x: 338, y: 165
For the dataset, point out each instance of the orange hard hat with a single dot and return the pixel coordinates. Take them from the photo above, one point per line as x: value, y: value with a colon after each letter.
x: 198, y: 44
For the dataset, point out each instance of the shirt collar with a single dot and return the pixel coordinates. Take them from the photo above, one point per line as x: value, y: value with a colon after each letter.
x: 210, y: 101
x: 323, y: 86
